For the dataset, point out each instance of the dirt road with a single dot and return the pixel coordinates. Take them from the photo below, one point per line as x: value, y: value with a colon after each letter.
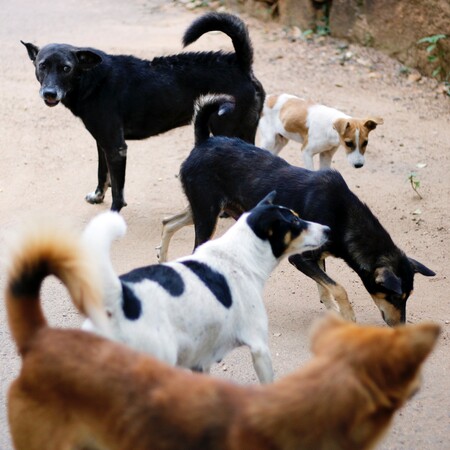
x: 49, y: 164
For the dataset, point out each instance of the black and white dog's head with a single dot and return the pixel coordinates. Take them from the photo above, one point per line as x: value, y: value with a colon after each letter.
x: 57, y: 65
x: 285, y: 231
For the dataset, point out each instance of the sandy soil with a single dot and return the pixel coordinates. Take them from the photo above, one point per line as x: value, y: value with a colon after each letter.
x: 49, y: 164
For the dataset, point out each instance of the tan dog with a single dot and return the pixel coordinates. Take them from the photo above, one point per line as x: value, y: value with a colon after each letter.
x: 319, y: 128
x: 77, y: 390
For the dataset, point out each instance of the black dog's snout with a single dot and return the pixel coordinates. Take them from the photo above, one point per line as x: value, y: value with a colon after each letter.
x: 326, y: 231
x: 50, y: 94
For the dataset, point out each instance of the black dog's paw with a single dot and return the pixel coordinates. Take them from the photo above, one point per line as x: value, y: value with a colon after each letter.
x: 94, y: 197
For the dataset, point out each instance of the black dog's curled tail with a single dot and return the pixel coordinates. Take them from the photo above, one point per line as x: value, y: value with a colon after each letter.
x: 229, y: 24
x: 206, y: 107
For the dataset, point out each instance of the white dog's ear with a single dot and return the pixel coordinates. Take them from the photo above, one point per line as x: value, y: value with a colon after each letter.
x: 340, y: 125
x: 372, y: 122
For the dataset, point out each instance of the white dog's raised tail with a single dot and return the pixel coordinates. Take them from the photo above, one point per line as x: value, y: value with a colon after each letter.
x: 98, y: 236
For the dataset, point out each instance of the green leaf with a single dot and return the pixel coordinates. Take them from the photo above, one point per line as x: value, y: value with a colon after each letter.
x: 436, y: 71
x: 432, y: 39
x: 430, y: 48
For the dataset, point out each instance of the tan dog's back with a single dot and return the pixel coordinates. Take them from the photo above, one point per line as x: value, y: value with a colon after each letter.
x: 319, y: 128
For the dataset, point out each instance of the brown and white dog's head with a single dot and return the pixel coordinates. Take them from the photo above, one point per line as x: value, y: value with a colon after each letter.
x: 354, y: 136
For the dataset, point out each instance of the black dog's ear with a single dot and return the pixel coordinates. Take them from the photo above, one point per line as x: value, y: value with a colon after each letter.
x: 420, y: 268
x: 268, y: 199
x: 31, y: 49
x: 87, y: 59
x: 386, y: 278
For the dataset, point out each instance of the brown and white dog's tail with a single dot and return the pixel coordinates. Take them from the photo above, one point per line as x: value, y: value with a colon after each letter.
x: 41, y: 251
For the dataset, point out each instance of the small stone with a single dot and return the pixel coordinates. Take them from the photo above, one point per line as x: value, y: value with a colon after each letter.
x: 414, y: 77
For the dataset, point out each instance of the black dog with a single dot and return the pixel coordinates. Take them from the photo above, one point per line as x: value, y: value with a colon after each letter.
x: 122, y: 97
x: 229, y: 174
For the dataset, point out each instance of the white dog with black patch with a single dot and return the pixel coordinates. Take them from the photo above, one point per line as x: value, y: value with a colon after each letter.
x: 192, y: 311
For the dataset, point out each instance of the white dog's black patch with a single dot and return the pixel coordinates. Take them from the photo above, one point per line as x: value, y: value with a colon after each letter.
x: 131, y: 305
x: 213, y: 280
x: 166, y: 276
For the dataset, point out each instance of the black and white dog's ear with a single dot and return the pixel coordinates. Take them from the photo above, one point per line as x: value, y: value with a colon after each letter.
x: 386, y: 278
x: 31, y: 49
x: 268, y: 199
x: 87, y: 59
x: 420, y: 268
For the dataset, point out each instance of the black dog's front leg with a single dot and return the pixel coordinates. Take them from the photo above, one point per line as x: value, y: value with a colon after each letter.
x: 103, y: 179
x: 116, y: 160
x: 329, y: 290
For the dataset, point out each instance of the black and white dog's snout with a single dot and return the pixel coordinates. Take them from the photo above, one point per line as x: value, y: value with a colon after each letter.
x: 316, y: 235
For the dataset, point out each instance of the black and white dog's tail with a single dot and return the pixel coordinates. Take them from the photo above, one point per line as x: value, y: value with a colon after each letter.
x: 229, y: 24
x: 98, y: 235
x: 207, y: 108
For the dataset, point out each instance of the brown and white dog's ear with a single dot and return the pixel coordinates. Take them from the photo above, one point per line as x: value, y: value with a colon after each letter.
x: 386, y: 278
x: 372, y: 122
x: 340, y: 125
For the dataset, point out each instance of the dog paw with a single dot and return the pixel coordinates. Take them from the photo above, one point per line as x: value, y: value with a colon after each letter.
x: 94, y: 197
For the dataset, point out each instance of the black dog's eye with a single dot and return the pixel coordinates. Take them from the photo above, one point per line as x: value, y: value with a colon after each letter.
x: 42, y: 66
x: 349, y: 144
x: 66, y: 69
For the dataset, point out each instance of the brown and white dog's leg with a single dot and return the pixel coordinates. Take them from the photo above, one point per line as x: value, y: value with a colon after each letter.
x: 170, y: 226
x: 326, y: 158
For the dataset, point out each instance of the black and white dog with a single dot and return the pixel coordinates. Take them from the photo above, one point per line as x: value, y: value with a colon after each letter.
x: 122, y: 98
x: 194, y: 310
x: 225, y: 174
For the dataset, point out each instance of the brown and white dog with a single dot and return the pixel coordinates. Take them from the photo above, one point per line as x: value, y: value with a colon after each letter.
x: 319, y: 128
x: 77, y: 390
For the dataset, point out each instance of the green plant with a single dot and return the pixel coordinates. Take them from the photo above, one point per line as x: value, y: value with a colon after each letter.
x: 435, y: 53
x: 415, y: 183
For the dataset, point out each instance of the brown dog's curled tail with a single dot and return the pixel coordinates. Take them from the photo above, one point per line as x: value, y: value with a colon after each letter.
x: 49, y: 250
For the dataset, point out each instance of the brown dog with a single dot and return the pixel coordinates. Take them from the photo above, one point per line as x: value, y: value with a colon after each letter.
x: 80, y: 391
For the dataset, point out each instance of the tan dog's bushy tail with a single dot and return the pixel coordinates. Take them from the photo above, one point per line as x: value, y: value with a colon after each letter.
x: 41, y: 251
